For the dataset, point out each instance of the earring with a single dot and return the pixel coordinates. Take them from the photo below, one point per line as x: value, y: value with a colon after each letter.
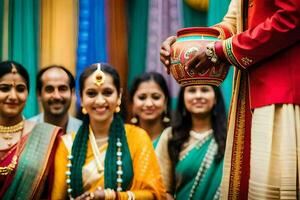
x: 166, y: 119
x: 83, y: 110
x: 118, y: 106
x: 117, y: 109
x: 134, y: 120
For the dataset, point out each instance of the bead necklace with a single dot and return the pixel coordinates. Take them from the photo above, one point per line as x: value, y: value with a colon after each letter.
x: 119, y: 169
x: 119, y: 165
x: 12, y: 165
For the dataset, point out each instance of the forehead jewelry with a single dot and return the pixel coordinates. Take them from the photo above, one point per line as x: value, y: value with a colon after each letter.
x: 99, y: 76
x: 13, y: 69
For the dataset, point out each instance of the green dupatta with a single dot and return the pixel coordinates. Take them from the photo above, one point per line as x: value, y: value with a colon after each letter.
x: 117, y: 131
x: 79, y: 150
x: 33, y: 163
x: 195, y: 183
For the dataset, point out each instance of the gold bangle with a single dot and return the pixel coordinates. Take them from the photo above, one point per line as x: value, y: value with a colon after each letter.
x: 131, y: 195
x: 92, y: 195
x: 109, y: 194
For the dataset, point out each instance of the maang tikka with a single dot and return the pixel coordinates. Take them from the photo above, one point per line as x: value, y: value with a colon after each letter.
x: 99, y: 75
x: 13, y: 69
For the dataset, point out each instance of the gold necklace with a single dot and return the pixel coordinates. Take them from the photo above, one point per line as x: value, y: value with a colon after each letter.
x: 7, y: 132
x: 12, y: 129
x: 11, y: 166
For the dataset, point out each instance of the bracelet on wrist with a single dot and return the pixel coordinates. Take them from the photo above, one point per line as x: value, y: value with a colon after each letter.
x: 211, y: 53
x: 109, y: 194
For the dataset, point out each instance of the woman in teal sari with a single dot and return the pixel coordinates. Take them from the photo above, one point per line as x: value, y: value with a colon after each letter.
x: 26, y: 148
x: 150, y: 100
x: 191, y: 151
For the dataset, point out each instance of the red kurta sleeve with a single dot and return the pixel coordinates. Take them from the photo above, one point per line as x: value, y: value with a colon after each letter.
x: 272, y: 27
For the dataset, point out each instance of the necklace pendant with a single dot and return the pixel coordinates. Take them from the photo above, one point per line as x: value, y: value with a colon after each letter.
x: 7, y: 137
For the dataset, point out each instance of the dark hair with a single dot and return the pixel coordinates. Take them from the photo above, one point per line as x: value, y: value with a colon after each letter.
x: 158, y: 79
x: 6, y: 67
x: 182, y: 124
x: 39, y: 82
x: 106, y: 68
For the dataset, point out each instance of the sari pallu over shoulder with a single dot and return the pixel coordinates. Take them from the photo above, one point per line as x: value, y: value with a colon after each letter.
x: 34, y: 163
x: 198, y: 173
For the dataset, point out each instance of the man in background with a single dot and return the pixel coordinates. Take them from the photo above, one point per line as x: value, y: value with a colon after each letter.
x: 55, y: 89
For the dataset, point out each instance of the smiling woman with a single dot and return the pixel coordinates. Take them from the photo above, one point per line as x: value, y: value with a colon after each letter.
x: 191, y: 151
x: 92, y: 164
x: 150, y: 100
x: 21, y: 151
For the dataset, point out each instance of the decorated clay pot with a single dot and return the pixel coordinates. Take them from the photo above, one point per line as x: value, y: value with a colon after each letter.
x: 189, y: 41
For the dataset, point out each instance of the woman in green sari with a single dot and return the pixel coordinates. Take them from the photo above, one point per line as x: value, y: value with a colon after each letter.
x: 191, y: 151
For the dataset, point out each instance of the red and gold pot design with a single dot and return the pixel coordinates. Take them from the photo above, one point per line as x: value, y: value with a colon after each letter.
x: 188, y: 42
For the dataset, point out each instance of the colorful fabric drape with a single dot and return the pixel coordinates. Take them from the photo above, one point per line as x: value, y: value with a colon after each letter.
x: 4, y: 29
x: 137, y: 37
x: 23, y: 43
x: 163, y: 21
x: 58, y: 33
x: 1, y: 26
x: 117, y: 38
x: 91, y: 35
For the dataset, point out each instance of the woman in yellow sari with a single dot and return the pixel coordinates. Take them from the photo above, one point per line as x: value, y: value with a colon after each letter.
x: 106, y: 159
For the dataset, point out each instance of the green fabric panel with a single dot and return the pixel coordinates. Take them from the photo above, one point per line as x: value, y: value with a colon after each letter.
x: 193, y: 17
x: 23, y: 43
x: 137, y: 37
x: 216, y: 11
x: 1, y: 25
x: 226, y: 88
x: 155, y: 142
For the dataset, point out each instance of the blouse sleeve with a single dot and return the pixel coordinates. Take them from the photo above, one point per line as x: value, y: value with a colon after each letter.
x: 59, y: 190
